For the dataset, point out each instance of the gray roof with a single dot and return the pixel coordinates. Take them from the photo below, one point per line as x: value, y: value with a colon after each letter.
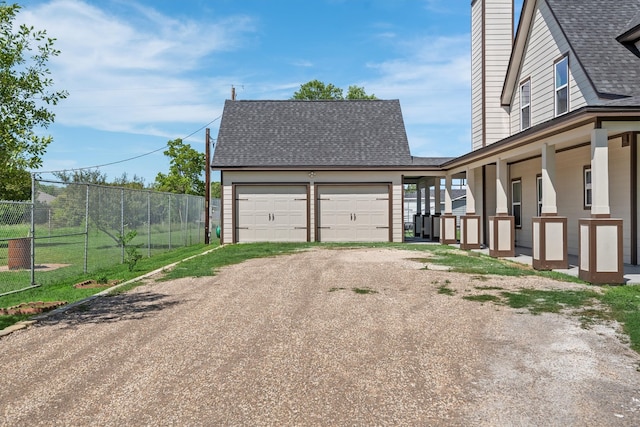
x: 430, y: 161
x: 293, y: 133
x: 591, y: 27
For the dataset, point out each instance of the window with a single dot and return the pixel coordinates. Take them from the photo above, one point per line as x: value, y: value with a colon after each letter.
x: 539, y: 193
x: 561, y: 71
x: 588, y: 193
x: 525, y: 105
x: 516, y: 201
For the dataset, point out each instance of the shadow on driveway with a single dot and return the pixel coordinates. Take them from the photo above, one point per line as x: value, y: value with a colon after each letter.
x: 107, y: 309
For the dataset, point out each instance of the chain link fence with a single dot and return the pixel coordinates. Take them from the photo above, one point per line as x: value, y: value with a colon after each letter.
x: 72, y: 229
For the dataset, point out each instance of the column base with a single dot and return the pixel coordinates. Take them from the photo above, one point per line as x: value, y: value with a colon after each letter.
x: 600, y: 242
x: 448, y: 229
x: 426, y: 227
x: 550, y: 242
x: 470, y: 232
x: 502, y: 231
x: 435, y: 227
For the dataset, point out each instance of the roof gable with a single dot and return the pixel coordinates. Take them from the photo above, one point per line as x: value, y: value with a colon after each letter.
x: 297, y: 133
x: 592, y: 29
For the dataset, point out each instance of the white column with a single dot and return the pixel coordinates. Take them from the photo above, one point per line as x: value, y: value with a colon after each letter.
x: 549, y: 204
x: 600, y: 172
x: 436, y: 195
x: 502, y: 207
x: 471, y: 188
x: 448, y: 203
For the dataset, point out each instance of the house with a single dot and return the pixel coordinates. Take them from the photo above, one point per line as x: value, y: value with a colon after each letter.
x: 555, y: 125
x: 553, y: 165
x: 314, y: 170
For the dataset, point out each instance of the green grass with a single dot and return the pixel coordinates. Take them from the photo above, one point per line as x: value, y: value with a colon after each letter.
x: 63, y: 289
x: 624, y: 303
x: 364, y: 291
x: 483, y: 298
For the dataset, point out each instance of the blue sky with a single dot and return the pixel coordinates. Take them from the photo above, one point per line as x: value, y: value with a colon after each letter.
x: 140, y: 73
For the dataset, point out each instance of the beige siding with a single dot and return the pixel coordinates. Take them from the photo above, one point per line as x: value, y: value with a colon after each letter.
x: 498, y: 37
x: 620, y: 190
x: 546, y: 44
x: 526, y: 172
x: 226, y: 221
x: 476, y: 75
x: 490, y: 195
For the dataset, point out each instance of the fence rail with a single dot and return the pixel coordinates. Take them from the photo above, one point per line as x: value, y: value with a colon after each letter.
x: 70, y: 229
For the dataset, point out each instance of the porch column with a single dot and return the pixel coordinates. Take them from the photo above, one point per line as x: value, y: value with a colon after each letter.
x: 549, y: 229
x: 600, y: 237
x: 502, y: 225
x: 417, y: 218
x: 448, y: 220
x: 435, y: 218
x: 470, y: 222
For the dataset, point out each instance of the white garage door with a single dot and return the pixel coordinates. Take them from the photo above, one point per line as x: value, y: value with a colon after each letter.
x: 271, y: 213
x: 358, y: 213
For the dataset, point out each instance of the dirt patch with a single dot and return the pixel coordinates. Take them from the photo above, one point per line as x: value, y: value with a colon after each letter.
x: 39, y: 267
x: 31, y: 307
x: 95, y: 284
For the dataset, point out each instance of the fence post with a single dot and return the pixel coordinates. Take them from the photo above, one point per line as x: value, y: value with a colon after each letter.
x: 33, y: 230
x: 149, y: 224
x: 122, y: 222
x: 86, y: 232
x: 187, y: 240
x: 169, y: 221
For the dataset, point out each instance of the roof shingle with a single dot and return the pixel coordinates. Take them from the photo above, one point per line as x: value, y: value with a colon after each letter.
x: 592, y: 26
x: 297, y: 133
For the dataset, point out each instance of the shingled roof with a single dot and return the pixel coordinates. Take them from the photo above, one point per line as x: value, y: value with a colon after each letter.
x: 592, y: 27
x: 293, y: 133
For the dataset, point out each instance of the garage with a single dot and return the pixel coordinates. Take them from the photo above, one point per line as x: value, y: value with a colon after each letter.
x: 353, y: 213
x: 271, y: 213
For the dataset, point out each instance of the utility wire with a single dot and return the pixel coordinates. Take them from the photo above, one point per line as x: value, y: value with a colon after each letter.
x: 130, y: 158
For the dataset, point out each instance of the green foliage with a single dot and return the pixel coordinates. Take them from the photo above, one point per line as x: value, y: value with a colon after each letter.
x: 185, y: 172
x: 25, y: 95
x: 15, y: 184
x: 132, y: 255
x: 316, y: 90
x: 216, y: 190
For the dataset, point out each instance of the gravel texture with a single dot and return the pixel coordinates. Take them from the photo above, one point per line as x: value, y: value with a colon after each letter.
x: 287, y: 341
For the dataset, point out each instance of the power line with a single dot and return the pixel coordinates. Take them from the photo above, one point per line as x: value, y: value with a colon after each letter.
x: 130, y: 158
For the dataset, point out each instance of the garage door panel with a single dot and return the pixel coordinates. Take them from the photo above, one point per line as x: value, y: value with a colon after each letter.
x: 271, y: 213
x: 353, y: 213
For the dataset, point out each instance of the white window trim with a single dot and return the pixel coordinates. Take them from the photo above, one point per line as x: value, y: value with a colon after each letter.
x: 539, y: 193
x: 557, y: 88
x: 587, y: 186
x: 517, y: 220
x: 523, y: 105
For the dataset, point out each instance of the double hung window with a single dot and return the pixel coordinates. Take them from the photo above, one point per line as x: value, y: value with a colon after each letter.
x: 561, y: 73
x: 525, y: 105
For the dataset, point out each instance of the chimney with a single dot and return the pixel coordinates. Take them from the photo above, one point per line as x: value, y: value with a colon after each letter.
x: 491, y: 43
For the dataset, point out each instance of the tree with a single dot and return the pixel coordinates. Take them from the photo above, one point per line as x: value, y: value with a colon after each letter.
x: 185, y: 172
x: 316, y: 89
x: 357, y: 92
x: 25, y: 94
x: 216, y: 190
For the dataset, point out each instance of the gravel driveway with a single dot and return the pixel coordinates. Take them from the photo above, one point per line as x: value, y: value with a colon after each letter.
x: 286, y: 341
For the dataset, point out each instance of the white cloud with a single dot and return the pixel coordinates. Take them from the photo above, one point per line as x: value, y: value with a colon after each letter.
x: 433, y: 83
x: 125, y: 72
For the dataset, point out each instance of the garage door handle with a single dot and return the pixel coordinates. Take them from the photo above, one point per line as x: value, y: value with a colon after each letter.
x: 242, y: 228
x: 299, y: 228
x: 382, y: 198
x: 324, y: 228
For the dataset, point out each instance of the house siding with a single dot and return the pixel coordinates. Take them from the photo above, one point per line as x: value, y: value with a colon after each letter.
x: 476, y: 75
x: 526, y: 172
x: 546, y: 44
x: 495, y: 39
